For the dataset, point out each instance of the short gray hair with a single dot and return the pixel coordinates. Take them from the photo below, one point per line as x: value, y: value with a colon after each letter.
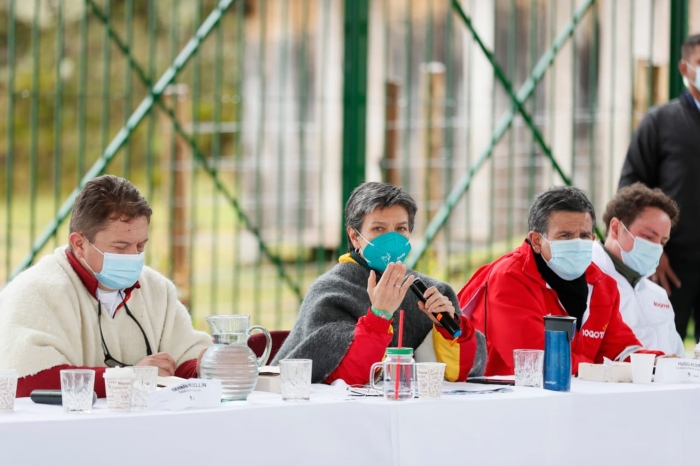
x: 368, y: 196
x: 557, y: 199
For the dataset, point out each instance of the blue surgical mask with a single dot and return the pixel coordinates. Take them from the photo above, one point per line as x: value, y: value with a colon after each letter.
x: 385, y: 248
x: 644, y: 256
x: 119, y: 271
x: 570, y: 257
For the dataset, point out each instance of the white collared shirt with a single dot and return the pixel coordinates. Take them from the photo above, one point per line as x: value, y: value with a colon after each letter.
x: 644, y: 307
x: 110, y: 300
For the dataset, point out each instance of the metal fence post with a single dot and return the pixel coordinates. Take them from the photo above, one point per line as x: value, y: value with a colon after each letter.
x: 354, y: 97
x: 679, y: 31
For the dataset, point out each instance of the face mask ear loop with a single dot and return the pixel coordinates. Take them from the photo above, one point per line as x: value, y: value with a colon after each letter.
x: 83, y: 259
x: 358, y: 250
x: 368, y: 241
x: 90, y: 243
x: 634, y: 239
x: 88, y: 266
x: 544, y: 238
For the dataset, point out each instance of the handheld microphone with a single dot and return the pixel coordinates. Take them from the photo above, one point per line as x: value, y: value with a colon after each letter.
x: 419, y: 288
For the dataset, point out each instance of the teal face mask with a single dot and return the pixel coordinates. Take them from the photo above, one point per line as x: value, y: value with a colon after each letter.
x: 570, y: 257
x: 119, y: 271
x: 644, y: 256
x: 384, y: 249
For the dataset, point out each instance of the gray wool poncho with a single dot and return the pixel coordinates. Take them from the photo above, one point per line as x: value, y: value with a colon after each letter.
x: 335, y: 302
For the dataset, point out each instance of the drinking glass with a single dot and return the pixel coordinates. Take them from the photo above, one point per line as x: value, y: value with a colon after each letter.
x: 528, y: 367
x: 77, y: 387
x: 295, y: 378
x: 145, y: 381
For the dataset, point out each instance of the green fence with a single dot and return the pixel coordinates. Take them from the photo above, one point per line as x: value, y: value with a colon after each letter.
x: 246, y: 123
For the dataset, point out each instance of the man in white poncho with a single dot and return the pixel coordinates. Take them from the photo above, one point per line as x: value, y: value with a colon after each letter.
x: 93, y: 304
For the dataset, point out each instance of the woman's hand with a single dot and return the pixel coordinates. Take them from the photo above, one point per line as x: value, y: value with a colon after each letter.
x: 436, y: 302
x: 388, y: 294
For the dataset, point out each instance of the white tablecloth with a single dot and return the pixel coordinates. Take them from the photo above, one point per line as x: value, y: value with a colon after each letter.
x: 595, y: 423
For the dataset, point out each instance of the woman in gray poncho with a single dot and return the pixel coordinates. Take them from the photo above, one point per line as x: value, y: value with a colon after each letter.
x: 346, y: 321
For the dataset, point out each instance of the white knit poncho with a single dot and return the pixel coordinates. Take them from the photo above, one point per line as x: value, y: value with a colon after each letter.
x: 48, y: 318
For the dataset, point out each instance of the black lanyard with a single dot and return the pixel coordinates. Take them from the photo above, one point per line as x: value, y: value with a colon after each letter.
x: 109, y: 360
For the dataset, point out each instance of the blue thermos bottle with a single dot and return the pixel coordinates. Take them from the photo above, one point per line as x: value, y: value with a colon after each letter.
x: 558, y: 333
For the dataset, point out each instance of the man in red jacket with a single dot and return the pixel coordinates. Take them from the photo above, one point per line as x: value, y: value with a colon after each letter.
x: 549, y: 274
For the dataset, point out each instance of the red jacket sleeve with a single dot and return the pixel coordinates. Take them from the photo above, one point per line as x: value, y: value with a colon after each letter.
x: 51, y: 379
x: 372, y: 336
x: 187, y: 370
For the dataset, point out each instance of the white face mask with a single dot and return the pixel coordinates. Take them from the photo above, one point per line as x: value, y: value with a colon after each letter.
x: 570, y: 257
x: 644, y: 256
x: 696, y: 83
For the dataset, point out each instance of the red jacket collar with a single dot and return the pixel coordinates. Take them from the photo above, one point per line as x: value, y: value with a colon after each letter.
x: 593, y: 273
x: 89, y: 279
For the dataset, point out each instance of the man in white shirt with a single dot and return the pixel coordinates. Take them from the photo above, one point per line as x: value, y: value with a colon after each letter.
x: 638, y: 223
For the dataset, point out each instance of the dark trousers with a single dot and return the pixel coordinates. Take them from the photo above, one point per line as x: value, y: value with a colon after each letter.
x: 686, y: 299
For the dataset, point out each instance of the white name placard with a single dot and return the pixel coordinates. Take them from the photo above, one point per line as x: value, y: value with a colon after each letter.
x: 191, y: 393
x: 677, y: 370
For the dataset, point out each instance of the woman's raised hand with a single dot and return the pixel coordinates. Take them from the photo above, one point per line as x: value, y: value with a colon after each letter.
x: 388, y: 293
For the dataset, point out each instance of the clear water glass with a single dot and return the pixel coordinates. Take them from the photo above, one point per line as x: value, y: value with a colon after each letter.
x: 77, y: 387
x: 398, y: 375
x: 295, y: 378
x: 528, y: 367
x: 145, y: 381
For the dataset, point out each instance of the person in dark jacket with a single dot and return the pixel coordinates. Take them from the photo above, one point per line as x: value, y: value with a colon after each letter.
x: 664, y: 153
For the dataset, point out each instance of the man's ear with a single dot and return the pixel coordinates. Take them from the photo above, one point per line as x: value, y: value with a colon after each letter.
x: 536, y: 241
x: 77, y: 243
x: 614, y: 228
